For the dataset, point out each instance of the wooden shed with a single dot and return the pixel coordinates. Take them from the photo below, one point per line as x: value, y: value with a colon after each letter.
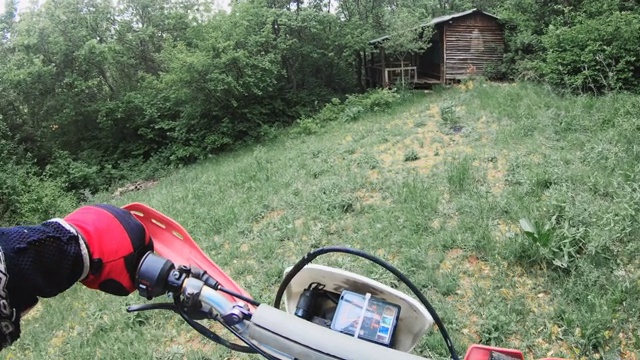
x: 462, y: 44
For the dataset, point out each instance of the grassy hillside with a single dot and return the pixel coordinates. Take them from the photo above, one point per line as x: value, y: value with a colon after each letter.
x: 444, y: 187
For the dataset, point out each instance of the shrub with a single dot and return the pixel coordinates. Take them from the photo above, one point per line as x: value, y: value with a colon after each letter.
x: 307, y: 126
x: 448, y: 113
x: 379, y: 100
x: 26, y: 197
x: 331, y: 111
x: 350, y: 110
x: 76, y: 176
x: 411, y: 155
x: 596, y: 55
x: 351, y: 113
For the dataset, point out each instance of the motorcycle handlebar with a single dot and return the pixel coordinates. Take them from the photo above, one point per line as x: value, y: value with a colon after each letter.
x: 158, y: 276
x: 280, y: 334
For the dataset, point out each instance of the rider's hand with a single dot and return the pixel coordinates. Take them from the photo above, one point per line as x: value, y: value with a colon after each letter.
x: 116, y: 242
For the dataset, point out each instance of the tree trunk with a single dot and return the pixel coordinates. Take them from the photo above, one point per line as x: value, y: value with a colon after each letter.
x: 291, y: 76
x: 358, y: 70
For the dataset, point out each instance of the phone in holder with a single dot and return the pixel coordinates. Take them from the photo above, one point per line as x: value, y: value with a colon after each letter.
x: 366, y: 317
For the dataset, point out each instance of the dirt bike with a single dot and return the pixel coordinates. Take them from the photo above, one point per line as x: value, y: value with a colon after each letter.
x: 329, y: 313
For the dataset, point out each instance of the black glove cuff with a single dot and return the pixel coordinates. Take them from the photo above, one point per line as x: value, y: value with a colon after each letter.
x: 35, y: 261
x: 9, y: 317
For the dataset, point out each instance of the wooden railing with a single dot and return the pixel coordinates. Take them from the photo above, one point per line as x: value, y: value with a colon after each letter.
x: 407, y: 73
x: 388, y: 76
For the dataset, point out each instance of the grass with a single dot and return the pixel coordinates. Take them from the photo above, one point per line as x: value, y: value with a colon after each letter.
x: 443, y: 206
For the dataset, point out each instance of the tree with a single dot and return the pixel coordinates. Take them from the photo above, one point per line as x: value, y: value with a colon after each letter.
x: 406, y: 36
x: 7, y: 19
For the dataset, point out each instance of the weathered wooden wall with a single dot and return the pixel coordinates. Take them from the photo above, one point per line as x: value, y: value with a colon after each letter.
x: 471, y: 43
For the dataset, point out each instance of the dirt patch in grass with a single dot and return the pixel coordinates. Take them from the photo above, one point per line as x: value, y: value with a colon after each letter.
x: 385, y: 254
x: 137, y: 186
x: 495, y: 175
x: 57, y: 340
x: 434, y: 112
x: 504, y: 229
x: 269, y: 217
x: 431, y: 145
x: 374, y: 175
x: 473, y: 273
x: 478, y: 279
x: 369, y: 197
x: 627, y: 342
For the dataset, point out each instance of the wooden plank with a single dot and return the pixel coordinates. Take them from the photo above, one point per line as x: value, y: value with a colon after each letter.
x: 427, y: 80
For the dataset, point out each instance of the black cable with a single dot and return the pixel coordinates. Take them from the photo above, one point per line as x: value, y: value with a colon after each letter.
x: 332, y: 297
x: 239, y: 296
x: 204, y: 331
x: 246, y: 341
x: 310, y: 256
x: 215, y: 285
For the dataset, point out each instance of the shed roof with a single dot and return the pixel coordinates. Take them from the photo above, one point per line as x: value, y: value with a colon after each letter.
x: 441, y: 19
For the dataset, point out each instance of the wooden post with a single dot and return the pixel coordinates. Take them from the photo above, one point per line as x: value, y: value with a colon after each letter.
x: 366, y: 70
x: 443, y: 75
x: 384, y: 68
x: 372, y: 72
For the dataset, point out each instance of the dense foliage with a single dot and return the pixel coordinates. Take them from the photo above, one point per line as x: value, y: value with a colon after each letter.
x: 95, y: 92
x: 580, y: 45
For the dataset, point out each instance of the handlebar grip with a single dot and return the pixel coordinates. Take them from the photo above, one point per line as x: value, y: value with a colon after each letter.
x: 152, y: 276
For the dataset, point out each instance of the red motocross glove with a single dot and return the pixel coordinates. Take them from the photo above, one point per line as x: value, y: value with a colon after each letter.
x: 116, y: 242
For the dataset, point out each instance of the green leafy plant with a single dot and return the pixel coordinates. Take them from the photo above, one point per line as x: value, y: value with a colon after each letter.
x: 542, y: 237
x: 351, y: 113
x: 411, y: 155
x: 307, y: 126
x: 448, y: 113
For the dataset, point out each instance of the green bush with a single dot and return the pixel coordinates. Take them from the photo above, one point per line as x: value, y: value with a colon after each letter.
x: 27, y: 198
x: 331, y: 111
x: 411, y: 155
x: 448, y: 113
x: 76, y: 176
x: 25, y: 195
x: 351, y: 113
x: 307, y: 126
x: 375, y: 100
x: 350, y: 110
x: 595, y: 55
x: 378, y: 100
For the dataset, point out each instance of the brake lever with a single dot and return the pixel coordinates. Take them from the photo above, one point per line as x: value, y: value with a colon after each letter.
x: 159, y: 306
x: 194, y: 314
